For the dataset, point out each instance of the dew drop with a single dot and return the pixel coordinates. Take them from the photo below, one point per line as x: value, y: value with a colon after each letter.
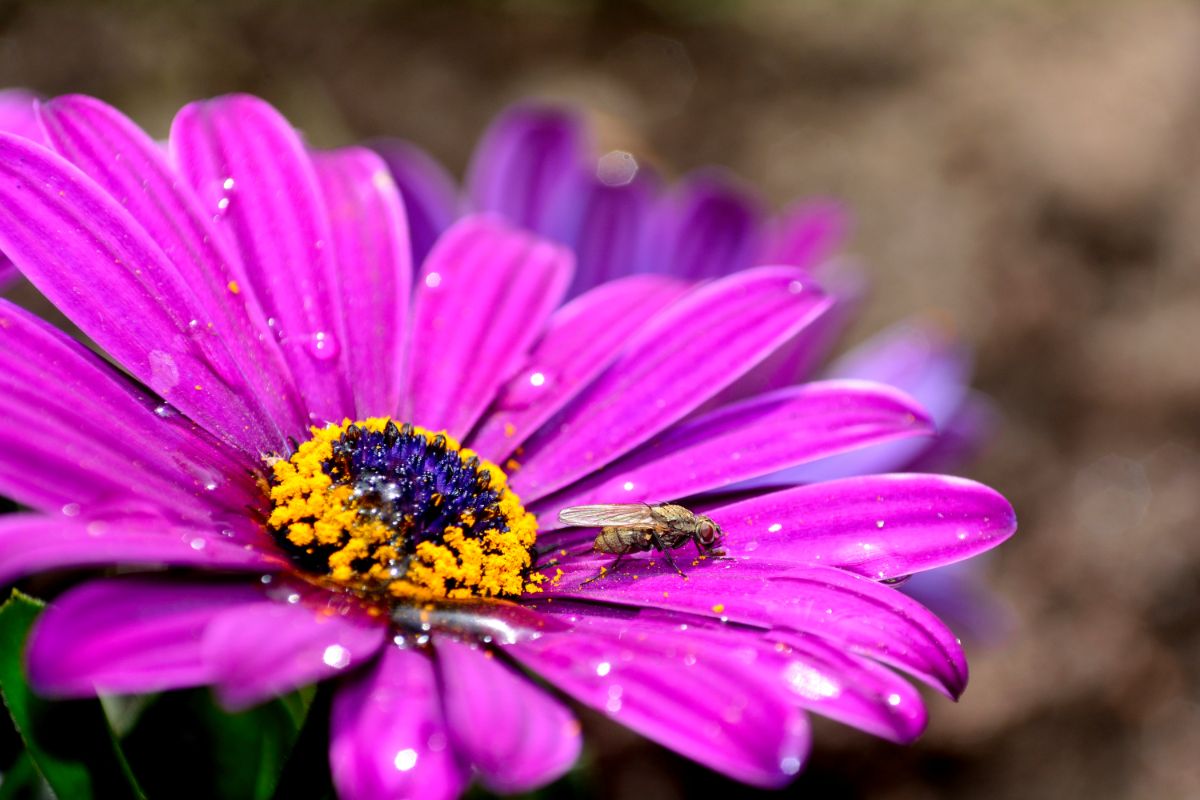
x: 436, y: 742
x: 893, y: 699
x: 336, y: 656
x: 198, y: 544
x: 776, y: 528
x: 71, y: 510
x: 323, y: 346
x: 433, y: 280
x: 796, y: 287
x: 879, y: 523
x: 406, y: 759
x: 537, y: 379
x: 789, y: 765
x: 603, y: 668
x: 627, y: 486
x: 228, y: 184
x: 165, y: 411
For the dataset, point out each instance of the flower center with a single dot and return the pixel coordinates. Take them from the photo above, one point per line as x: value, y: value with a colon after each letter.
x: 398, y: 512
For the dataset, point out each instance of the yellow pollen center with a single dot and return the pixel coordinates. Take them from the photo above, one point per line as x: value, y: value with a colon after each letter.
x: 382, y: 532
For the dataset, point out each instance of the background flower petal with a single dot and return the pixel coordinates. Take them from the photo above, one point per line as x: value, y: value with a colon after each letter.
x: 610, y: 232
x: 514, y: 734
x: 915, y: 358
x: 370, y: 237
x: 254, y: 176
x: 388, y: 736
x: 679, y: 359
x: 706, y: 228
x: 128, y: 635
x: 485, y: 292
x: 527, y: 168
x: 429, y: 193
x: 581, y: 339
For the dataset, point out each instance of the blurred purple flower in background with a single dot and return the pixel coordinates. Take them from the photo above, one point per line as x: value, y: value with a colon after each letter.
x: 253, y: 288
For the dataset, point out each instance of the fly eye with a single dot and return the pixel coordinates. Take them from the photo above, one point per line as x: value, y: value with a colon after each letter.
x: 707, y: 532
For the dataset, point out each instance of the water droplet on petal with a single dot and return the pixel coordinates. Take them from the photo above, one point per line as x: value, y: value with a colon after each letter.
x: 71, y: 510
x: 323, y: 346
x: 603, y: 668
x: 406, y: 759
x: 336, y: 656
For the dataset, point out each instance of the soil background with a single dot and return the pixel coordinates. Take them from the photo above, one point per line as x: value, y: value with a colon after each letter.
x: 1026, y: 172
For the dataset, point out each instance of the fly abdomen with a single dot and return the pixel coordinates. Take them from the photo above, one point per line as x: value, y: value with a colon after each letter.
x: 620, y: 541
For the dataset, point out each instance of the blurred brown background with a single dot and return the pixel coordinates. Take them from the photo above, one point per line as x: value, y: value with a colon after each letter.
x: 1026, y: 171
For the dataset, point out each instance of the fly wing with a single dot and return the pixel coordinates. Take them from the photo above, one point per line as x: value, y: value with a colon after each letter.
x: 623, y: 515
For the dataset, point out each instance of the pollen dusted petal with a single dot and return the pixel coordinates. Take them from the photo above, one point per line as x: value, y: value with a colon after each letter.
x: 388, y: 737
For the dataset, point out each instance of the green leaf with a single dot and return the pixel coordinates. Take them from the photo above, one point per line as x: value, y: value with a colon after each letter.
x: 68, y: 742
x: 306, y: 773
x: 184, y: 745
x: 21, y: 780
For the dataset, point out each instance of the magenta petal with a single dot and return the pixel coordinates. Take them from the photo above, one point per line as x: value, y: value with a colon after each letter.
x: 388, y: 737
x: 485, y: 292
x: 429, y: 194
x: 881, y: 526
x: 370, y: 238
x: 716, y: 698
x: 272, y: 647
x: 527, y: 167
x: 678, y: 359
x: 89, y: 256
x: 30, y: 544
x: 18, y: 114
x: 710, y: 228
x: 852, y: 690
x: 581, y: 339
x: 128, y: 636
x: 255, y: 177
x: 48, y: 383
x: 131, y: 167
x: 852, y: 612
x: 751, y: 438
x: 516, y: 736
x: 806, y: 234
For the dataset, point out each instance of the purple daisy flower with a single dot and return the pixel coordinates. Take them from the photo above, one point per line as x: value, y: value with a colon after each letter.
x: 356, y: 476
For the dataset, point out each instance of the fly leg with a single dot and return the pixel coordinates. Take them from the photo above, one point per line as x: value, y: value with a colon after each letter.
x: 604, y: 570
x: 666, y: 551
